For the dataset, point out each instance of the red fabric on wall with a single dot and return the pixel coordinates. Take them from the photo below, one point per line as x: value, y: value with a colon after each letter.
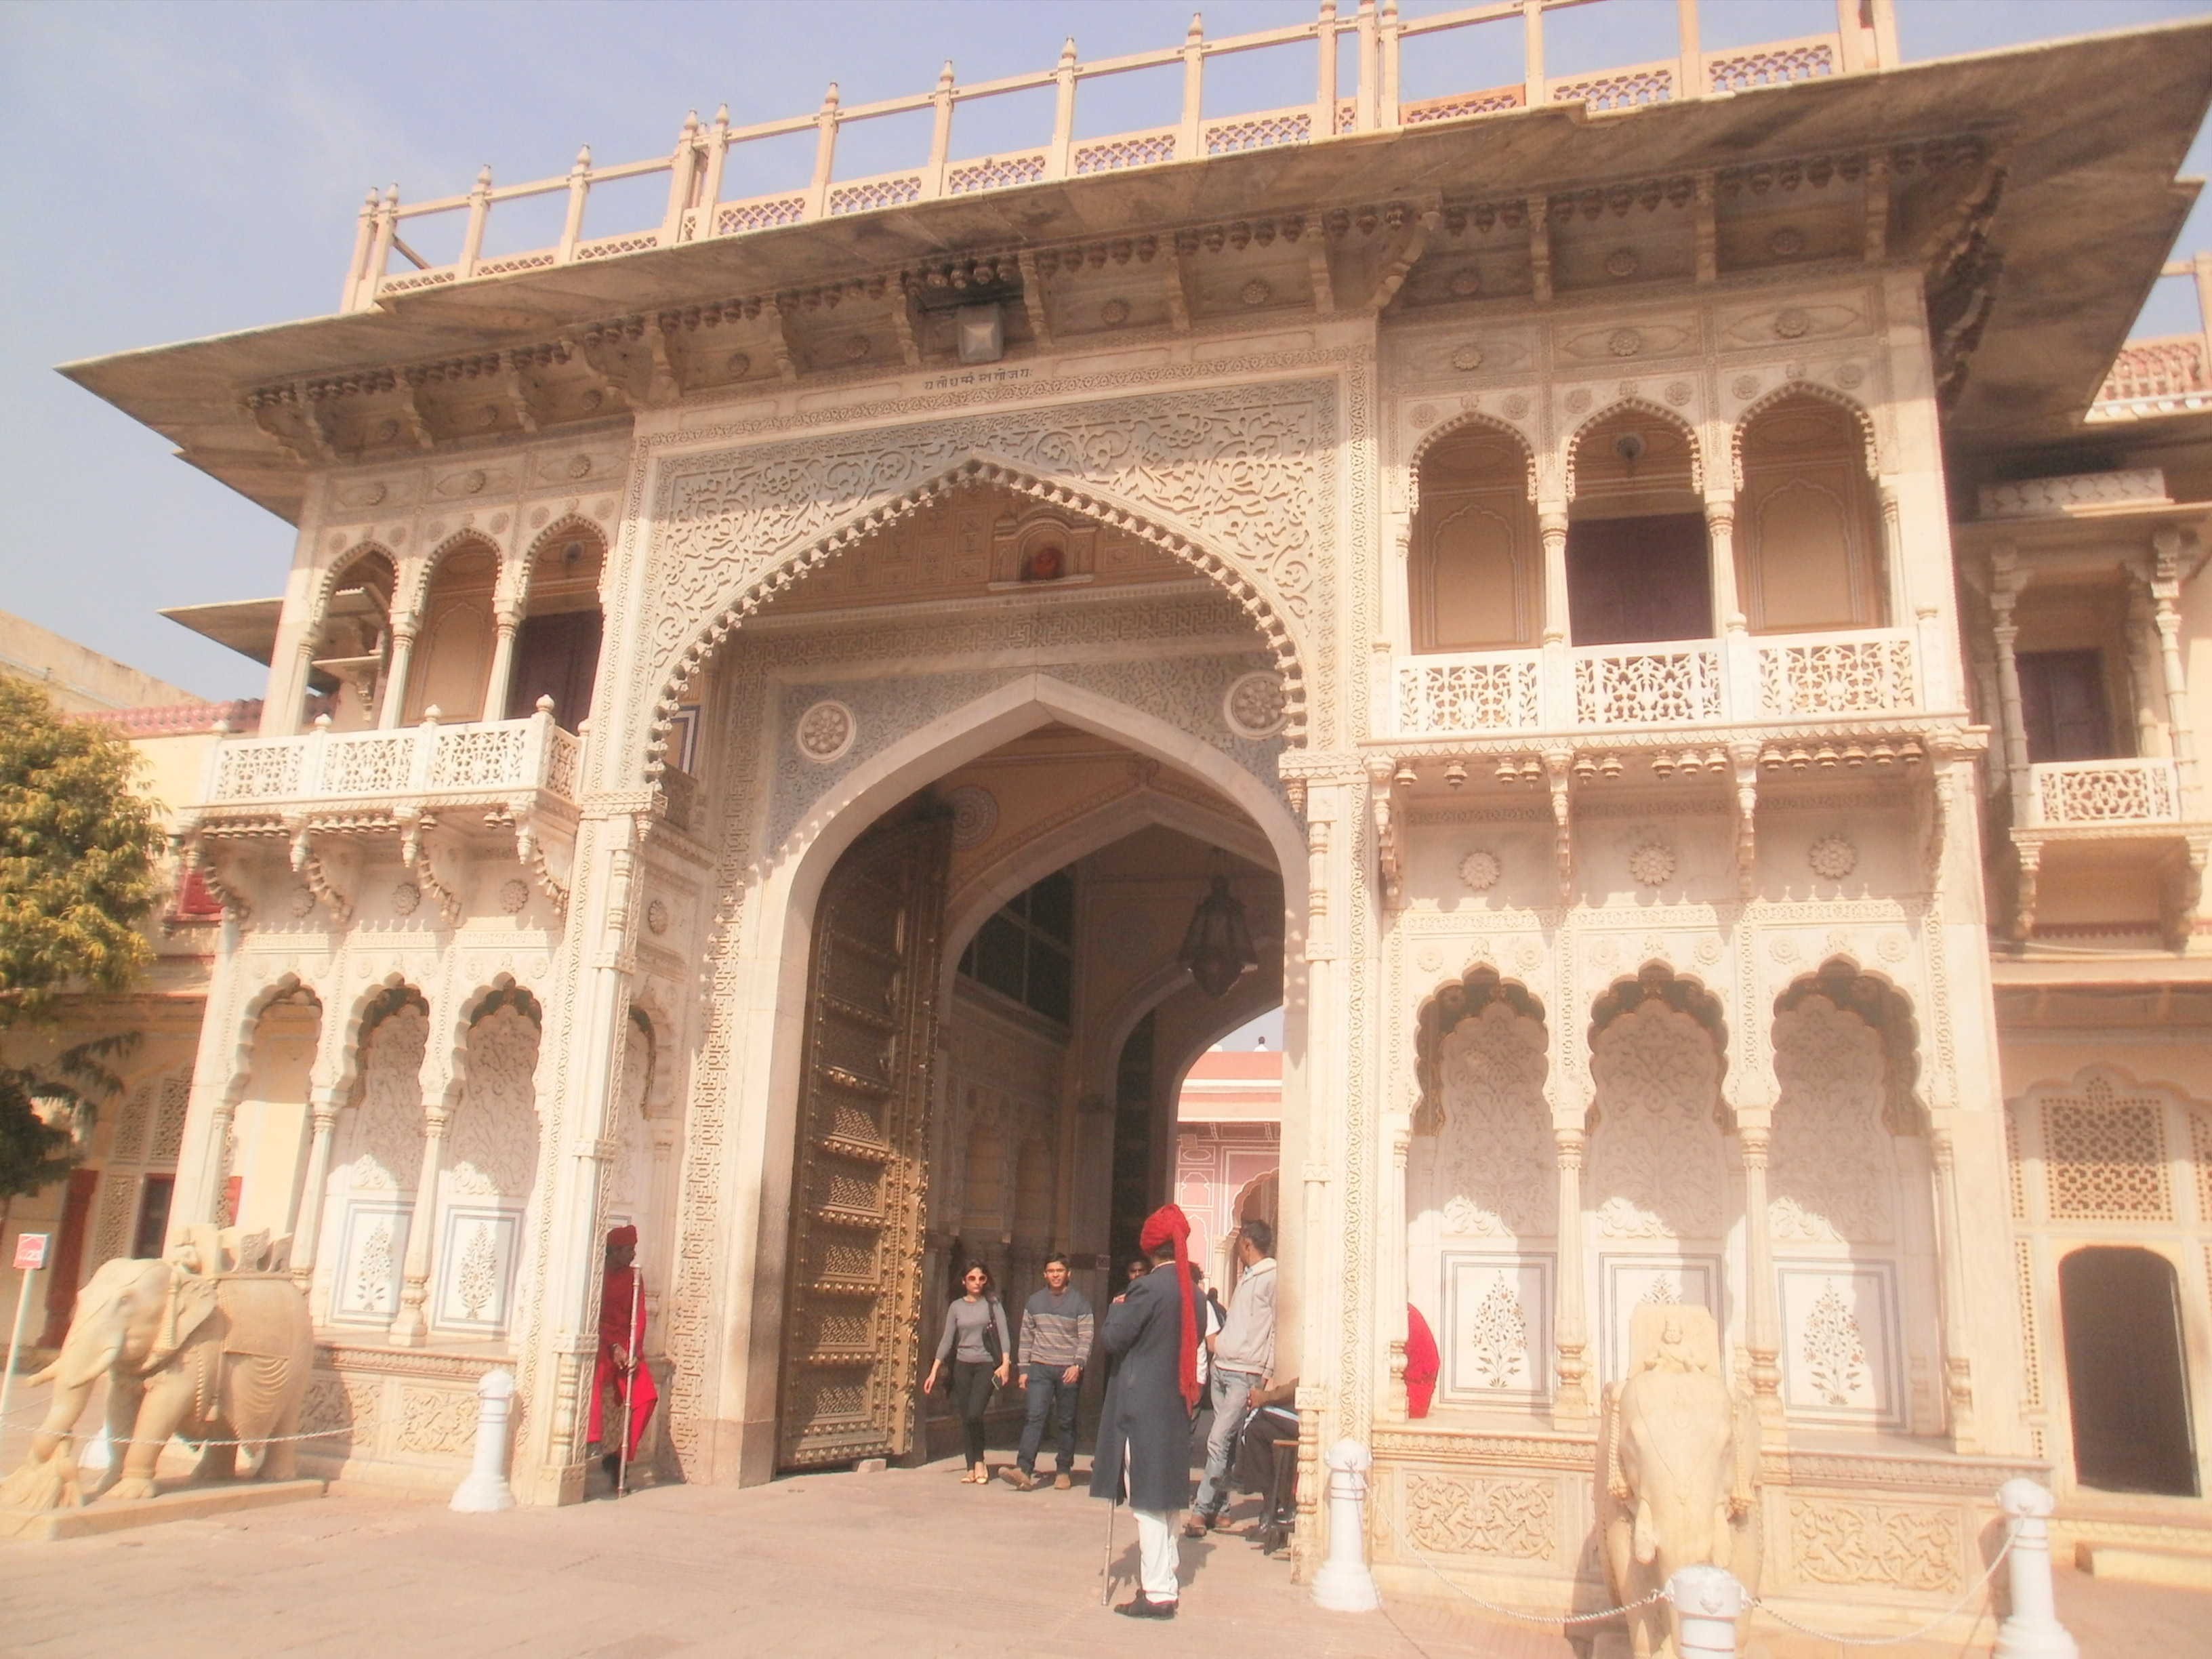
x: 1422, y: 1364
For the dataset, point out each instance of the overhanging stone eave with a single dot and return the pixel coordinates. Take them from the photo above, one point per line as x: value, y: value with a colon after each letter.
x: 2091, y: 210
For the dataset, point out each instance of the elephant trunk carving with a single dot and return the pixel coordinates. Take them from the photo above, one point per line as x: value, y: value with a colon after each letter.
x: 188, y: 1345
x: 1679, y: 1467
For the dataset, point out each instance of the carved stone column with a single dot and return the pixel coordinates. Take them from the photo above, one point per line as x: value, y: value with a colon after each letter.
x: 2008, y: 579
x: 1950, y: 1245
x: 307, y: 1231
x: 2146, y: 688
x: 1572, y: 1403
x: 411, y: 1327
x: 2165, y: 616
x: 1763, y: 1332
x: 498, y: 683
x: 395, y: 677
x: 1739, y: 669
x: 1393, y: 1404
x: 1557, y: 691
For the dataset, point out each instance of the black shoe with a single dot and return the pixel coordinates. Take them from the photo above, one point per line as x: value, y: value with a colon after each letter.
x: 1143, y: 1607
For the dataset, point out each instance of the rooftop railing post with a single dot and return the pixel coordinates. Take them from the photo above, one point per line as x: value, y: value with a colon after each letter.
x: 1063, y: 113
x: 388, y: 227
x: 718, y: 154
x: 1691, y: 75
x: 825, y: 154
x: 1388, y: 34
x: 1362, y: 120
x: 364, y: 237
x: 479, y: 210
x: 1193, y: 80
x: 1532, y: 31
x: 940, y: 134
x: 580, y: 186
x: 1324, y: 116
x: 1880, y: 17
x: 682, y: 171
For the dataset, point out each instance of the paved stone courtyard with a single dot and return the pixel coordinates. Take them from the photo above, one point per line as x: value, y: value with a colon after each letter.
x: 906, y: 1564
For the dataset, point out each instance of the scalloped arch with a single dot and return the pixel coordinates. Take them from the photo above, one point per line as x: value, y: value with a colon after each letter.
x: 1787, y: 391
x: 417, y: 581
x: 1644, y: 406
x: 977, y: 471
x: 569, y: 524
x: 326, y: 581
x: 1462, y: 422
x: 246, y: 1033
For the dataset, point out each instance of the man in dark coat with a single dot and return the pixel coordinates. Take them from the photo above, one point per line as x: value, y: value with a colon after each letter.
x: 1143, y: 1434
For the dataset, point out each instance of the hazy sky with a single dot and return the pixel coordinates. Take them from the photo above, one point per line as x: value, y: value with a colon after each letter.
x: 182, y: 170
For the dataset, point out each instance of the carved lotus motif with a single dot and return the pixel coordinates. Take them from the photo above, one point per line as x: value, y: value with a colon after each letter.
x: 513, y: 896
x: 1480, y: 870
x: 406, y: 898
x: 975, y: 815
x: 1624, y: 342
x: 1466, y: 358
x: 1255, y: 707
x: 1652, y: 864
x: 1256, y: 293
x: 825, y: 732
x: 1832, y: 858
x: 656, y: 917
x: 1793, y: 323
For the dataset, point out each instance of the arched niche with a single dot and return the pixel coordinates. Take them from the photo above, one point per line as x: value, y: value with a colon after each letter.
x: 2126, y: 1382
x: 557, y: 645
x: 1849, y: 1203
x: 270, y: 1128
x: 491, y: 1169
x: 452, y: 664
x: 1656, y: 1191
x: 369, y: 1199
x: 1482, y: 1192
x: 1807, y: 526
x: 1637, y: 564
x: 351, y: 653
x: 1475, y: 568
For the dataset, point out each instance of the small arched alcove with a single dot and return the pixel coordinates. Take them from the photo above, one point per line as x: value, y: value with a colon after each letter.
x: 1637, y: 568
x: 1807, y: 540
x: 1475, y: 569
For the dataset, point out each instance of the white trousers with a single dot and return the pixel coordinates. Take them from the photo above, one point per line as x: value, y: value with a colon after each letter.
x: 1158, y: 1554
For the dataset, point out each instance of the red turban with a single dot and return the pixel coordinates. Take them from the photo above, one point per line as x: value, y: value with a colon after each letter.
x: 620, y: 1235
x: 1167, y: 1223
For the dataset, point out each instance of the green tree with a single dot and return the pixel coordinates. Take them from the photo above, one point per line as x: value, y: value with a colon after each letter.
x: 77, y: 875
x: 77, y: 850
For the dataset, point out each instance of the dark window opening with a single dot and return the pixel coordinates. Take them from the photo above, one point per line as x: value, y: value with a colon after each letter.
x: 1025, y: 952
x: 2121, y: 1310
x: 1639, y: 580
x: 153, y: 1215
x: 557, y: 657
x: 2062, y: 703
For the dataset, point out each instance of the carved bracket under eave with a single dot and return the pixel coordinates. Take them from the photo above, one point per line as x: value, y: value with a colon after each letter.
x: 2185, y: 891
x: 2028, y: 851
x: 1744, y: 757
x: 200, y: 857
x: 530, y: 851
x: 1382, y: 806
x: 309, y: 862
x: 1558, y: 773
x: 431, y: 868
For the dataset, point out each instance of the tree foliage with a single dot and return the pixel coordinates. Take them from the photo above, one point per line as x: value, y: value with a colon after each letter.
x: 78, y: 845
x: 37, y: 1146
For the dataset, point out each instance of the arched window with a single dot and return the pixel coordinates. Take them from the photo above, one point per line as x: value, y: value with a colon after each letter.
x: 1636, y: 563
x: 452, y: 651
x: 1475, y: 569
x: 353, y: 642
x: 1808, y: 548
x: 556, y: 651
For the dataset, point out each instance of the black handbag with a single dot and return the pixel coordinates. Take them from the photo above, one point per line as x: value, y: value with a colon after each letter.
x: 991, y: 1344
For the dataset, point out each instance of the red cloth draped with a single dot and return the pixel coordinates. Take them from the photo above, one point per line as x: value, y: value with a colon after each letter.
x: 1165, y: 1223
x: 612, y: 1375
x: 1422, y: 1364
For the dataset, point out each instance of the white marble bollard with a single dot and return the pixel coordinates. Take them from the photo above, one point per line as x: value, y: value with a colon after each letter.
x: 484, y: 1490
x: 2031, y: 1630
x: 1708, y: 1601
x: 1345, y: 1584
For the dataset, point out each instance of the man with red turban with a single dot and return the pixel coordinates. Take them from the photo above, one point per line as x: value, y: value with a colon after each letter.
x: 1144, y: 1433
x: 622, y: 1365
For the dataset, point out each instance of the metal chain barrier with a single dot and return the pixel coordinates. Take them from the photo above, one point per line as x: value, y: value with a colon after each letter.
x: 1390, y: 1521
x: 1972, y: 1590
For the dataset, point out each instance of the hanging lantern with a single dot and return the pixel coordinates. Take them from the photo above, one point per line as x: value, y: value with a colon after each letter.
x: 1217, y: 946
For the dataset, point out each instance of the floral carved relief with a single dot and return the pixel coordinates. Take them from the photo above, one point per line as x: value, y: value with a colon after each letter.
x: 495, y: 1132
x: 1833, y: 1175
x: 1656, y: 1156
x: 386, y: 1148
x: 1479, y: 1516
x: 1493, y: 1168
x: 1841, y: 1541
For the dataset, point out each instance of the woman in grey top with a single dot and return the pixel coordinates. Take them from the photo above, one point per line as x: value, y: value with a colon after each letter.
x: 981, y: 1351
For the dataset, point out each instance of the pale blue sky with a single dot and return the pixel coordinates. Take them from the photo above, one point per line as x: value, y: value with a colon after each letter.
x: 181, y: 170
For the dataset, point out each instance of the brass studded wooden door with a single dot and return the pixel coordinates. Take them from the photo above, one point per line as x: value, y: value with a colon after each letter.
x: 853, y: 1294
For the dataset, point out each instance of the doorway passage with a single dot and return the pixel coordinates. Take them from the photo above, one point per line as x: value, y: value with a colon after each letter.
x: 2121, y: 1308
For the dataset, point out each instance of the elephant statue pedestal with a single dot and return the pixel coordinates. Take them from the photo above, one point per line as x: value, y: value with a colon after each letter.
x: 1677, y: 1472
x: 207, y: 1345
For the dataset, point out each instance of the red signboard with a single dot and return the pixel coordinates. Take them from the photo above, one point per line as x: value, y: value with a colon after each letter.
x: 30, y: 1250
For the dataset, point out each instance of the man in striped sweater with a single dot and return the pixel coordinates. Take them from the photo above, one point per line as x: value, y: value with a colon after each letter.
x: 1055, y: 1345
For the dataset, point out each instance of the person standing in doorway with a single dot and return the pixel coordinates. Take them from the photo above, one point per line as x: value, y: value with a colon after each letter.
x: 621, y: 1380
x: 976, y: 1340
x: 1055, y: 1347
x: 1243, y: 1365
x: 1143, y: 1434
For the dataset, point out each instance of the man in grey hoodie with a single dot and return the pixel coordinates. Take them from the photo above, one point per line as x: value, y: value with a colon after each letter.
x: 1056, y: 1326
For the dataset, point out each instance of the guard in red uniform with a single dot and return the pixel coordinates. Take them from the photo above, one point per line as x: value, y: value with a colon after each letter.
x: 622, y: 1364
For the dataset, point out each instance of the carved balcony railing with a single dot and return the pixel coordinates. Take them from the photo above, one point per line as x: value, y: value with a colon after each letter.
x: 1475, y: 692
x: 1676, y: 683
x: 1375, y: 37
x: 422, y: 763
x: 2073, y: 794
x: 1814, y: 676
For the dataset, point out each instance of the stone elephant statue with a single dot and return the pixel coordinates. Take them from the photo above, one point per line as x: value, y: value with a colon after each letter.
x: 187, y: 1348
x: 1678, y: 1468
